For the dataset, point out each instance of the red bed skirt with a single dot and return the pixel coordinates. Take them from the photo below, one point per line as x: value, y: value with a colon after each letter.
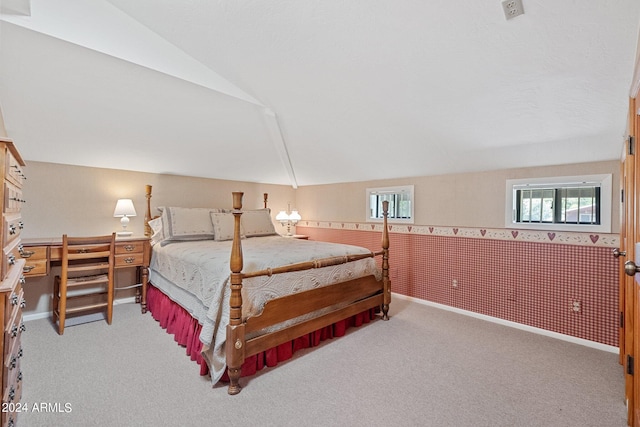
x: 186, y: 331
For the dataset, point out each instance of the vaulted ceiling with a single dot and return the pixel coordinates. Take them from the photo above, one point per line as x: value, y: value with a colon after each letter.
x: 316, y: 91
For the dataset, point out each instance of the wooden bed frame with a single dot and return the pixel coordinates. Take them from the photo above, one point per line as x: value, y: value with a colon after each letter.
x: 358, y: 294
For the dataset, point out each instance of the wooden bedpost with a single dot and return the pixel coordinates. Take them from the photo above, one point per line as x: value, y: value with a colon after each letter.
x: 265, y: 197
x: 386, y: 283
x: 235, y: 329
x: 147, y: 214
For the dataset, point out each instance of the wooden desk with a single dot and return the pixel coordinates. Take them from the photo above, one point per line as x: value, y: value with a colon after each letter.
x: 41, y: 253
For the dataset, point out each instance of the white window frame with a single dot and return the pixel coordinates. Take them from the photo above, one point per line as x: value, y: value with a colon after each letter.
x: 401, y: 189
x: 604, y: 181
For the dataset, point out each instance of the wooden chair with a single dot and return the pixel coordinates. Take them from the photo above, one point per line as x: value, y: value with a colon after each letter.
x: 88, y: 266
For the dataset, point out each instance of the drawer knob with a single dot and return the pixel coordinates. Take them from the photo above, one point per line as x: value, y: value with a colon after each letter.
x: 14, y: 299
x: 28, y: 268
x: 23, y: 303
x: 129, y: 260
x: 12, y: 259
x: 129, y: 248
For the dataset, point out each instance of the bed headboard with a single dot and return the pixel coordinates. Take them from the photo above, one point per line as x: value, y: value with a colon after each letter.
x: 147, y: 215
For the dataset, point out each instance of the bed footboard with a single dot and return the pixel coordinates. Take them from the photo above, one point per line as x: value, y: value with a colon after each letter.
x: 339, y: 301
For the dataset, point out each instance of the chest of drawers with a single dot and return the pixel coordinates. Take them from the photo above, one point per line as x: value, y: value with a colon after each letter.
x: 11, y: 279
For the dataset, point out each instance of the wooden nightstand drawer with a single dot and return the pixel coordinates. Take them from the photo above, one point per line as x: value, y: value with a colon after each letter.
x: 130, y: 253
x: 33, y: 253
x: 35, y: 268
x: 36, y: 259
x: 129, y: 247
x: 128, y: 260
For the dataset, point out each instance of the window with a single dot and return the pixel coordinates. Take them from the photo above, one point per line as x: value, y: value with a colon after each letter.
x: 579, y: 203
x: 400, y: 203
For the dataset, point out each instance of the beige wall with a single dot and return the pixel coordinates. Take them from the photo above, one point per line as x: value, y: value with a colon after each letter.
x: 463, y: 200
x: 80, y: 200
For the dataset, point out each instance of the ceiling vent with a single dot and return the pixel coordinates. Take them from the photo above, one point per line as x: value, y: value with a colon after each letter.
x: 512, y: 8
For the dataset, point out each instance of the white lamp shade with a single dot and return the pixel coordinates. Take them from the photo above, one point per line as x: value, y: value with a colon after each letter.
x: 282, y: 216
x: 295, y: 216
x: 124, y: 208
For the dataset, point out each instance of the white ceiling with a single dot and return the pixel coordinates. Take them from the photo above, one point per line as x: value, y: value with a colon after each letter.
x: 316, y: 91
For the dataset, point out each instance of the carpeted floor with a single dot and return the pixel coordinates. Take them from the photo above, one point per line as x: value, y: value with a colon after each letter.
x: 424, y: 367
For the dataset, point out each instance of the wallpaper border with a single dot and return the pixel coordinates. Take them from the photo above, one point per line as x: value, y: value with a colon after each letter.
x: 537, y: 236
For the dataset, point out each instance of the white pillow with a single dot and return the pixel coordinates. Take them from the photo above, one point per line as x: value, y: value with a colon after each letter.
x: 257, y: 223
x: 156, y: 227
x: 187, y: 223
x: 223, y: 223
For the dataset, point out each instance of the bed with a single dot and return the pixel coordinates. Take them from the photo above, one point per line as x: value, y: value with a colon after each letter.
x: 247, y: 291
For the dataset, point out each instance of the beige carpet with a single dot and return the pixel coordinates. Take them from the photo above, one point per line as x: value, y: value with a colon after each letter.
x: 424, y: 367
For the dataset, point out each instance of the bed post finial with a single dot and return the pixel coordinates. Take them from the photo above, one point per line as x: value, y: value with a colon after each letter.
x: 265, y: 197
x: 147, y: 214
x: 235, y: 329
x: 386, y: 283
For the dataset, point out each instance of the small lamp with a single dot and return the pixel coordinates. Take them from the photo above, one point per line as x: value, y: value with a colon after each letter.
x: 124, y: 209
x: 288, y: 219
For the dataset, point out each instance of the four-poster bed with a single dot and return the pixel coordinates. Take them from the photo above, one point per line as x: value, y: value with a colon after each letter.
x: 279, y: 288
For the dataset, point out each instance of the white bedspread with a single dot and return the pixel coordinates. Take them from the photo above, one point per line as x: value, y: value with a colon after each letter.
x: 200, y: 271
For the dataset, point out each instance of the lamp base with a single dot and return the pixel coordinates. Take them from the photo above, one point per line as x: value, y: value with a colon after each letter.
x: 124, y: 233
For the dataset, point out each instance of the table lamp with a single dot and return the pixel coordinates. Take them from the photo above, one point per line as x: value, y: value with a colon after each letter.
x: 288, y: 219
x: 124, y: 209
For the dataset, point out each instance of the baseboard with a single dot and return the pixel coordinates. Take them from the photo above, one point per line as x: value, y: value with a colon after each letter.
x: 539, y: 331
x: 47, y: 314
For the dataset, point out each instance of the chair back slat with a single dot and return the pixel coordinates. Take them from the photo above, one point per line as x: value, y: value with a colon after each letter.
x: 86, y: 261
x: 89, y: 267
x: 89, y: 255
